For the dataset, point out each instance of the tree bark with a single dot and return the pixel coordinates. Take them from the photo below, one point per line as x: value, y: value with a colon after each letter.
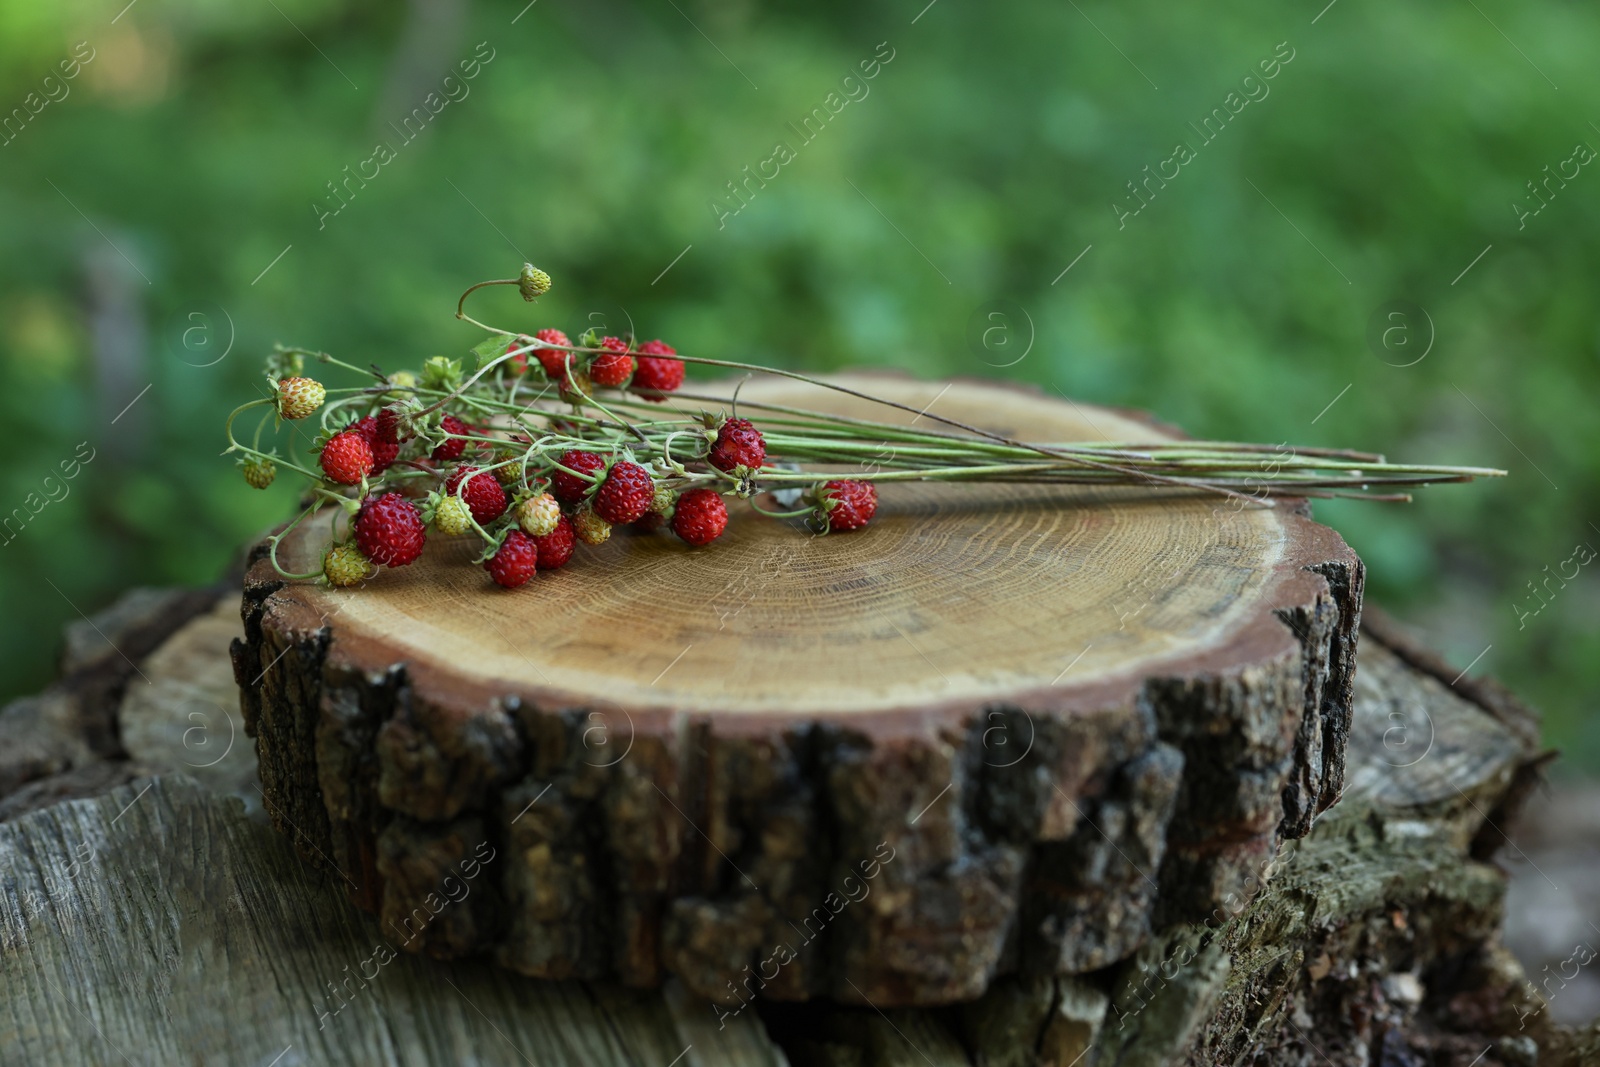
x: 1007, y: 729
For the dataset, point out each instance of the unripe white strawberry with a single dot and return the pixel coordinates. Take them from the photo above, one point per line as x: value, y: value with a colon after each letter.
x: 590, y: 528
x: 300, y: 397
x: 538, y: 515
x: 452, y: 516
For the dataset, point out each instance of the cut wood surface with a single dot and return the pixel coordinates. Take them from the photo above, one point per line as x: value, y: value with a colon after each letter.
x: 1005, y: 729
x: 158, y: 924
x: 957, y: 596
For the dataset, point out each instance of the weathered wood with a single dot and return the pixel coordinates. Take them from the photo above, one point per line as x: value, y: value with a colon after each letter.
x: 72, y: 724
x: 1375, y: 939
x: 158, y: 924
x: 185, y: 717
x: 1042, y: 718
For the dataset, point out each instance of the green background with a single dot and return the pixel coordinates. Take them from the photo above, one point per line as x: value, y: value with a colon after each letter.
x: 137, y: 216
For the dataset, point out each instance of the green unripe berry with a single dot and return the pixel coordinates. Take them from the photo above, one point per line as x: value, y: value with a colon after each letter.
x: 533, y: 282
x: 663, y: 501
x: 259, y: 472
x: 452, y: 516
x: 344, y: 565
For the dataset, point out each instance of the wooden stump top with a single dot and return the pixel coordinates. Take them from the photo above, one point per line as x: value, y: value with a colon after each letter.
x: 1042, y: 717
x: 1053, y: 598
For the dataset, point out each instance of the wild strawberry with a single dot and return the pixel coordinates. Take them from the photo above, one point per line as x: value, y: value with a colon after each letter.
x: 613, y: 366
x: 553, y: 360
x: 847, y: 505
x: 590, y: 528
x: 509, y: 470
x: 452, y: 449
x: 701, y: 516
x: 532, y: 282
x: 660, y: 513
x: 452, y: 516
x: 388, y: 428
x: 576, y: 384
x: 347, y: 458
x: 738, y: 444
x: 299, y: 397
x: 655, y: 372
x: 514, y: 561
x: 482, y: 494
x: 384, y: 453
x: 538, y: 515
x: 389, y: 530
x: 625, y: 495
x: 259, y: 471
x: 343, y: 565
x: 555, y: 547
x: 569, y: 488
x: 517, y: 365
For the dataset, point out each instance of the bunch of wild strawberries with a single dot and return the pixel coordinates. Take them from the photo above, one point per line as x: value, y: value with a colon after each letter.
x: 533, y: 455
x: 400, y: 462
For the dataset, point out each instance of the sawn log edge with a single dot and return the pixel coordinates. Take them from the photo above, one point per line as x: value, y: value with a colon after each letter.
x: 735, y: 850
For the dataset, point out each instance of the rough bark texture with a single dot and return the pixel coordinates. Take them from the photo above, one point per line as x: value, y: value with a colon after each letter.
x: 1375, y: 940
x: 901, y: 857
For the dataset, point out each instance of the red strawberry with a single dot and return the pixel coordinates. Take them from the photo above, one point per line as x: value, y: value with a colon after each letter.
x: 613, y: 366
x: 570, y: 489
x: 518, y: 364
x: 452, y: 449
x: 850, y: 504
x: 383, y: 452
x: 625, y: 495
x: 389, y: 530
x: 555, y: 547
x: 701, y: 516
x: 655, y: 372
x: 347, y: 458
x: 482, y: 494
x: 738, y: 444
x: 388, y: 429
x: 553, y: 360
x: 514, y: 561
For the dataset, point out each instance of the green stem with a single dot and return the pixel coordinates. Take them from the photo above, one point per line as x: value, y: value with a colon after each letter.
x: 781, y: 514
x: 235, y: 446
x: 272, y: 550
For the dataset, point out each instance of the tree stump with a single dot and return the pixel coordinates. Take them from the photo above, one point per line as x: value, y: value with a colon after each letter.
x: 1006, y: 730
x: 184, y: 929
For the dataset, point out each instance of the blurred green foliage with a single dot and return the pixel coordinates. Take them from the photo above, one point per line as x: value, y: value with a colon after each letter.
x: 984, y: 158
